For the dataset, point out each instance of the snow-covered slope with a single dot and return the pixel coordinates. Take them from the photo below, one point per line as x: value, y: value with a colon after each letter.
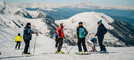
x: 45, y: 49
x: 17, y: 17
x: 13, y: 19
x: 90, y: 20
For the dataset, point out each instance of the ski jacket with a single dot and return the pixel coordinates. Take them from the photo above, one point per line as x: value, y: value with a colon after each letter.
x: 60, y: 32
x: 101, y: 30
x: 27, y: 33
x: 18, y: 38
x: 81, y: 32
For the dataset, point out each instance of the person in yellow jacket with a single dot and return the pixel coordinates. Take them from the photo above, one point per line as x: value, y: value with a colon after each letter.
x: 18, y: 41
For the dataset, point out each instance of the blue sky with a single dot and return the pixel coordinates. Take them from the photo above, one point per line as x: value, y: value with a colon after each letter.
x: 101, y: 2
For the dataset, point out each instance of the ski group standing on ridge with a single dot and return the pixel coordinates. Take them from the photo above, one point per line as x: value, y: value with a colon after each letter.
x: 81, y: 34
x: 59, y: 36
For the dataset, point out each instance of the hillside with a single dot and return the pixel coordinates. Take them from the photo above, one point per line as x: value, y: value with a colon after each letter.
x: 119, y: 33
x: 13, y: 19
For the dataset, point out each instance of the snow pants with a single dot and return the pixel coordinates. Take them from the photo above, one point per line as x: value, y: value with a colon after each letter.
x: 56, y: 40
x: 27, y: 42
x: 82, y: 41
x: 56, y: 44
x: 60, y: 41
x: 100, y: 40
x: 18, y: 43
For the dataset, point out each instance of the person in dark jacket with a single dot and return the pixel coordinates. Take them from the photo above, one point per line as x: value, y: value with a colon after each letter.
x: 60, y: 34
x: 56, y: 40
x: 100, y: 34
x: 27, y: 35
x: 81, y: 34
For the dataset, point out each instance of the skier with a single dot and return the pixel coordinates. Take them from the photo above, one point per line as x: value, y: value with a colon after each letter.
x: 60, y: 34
x: 27, y: 35
x: 92, y: 42
x: 18, y: 41
x: 100, y: 34
x: 81, y: 34
x: 56, y: 40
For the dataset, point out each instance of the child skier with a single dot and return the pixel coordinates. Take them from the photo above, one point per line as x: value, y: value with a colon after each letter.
x: 18, y: 41
x: 92, y: 42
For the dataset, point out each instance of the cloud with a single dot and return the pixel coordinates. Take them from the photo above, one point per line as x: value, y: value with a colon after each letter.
x: 85, y: 4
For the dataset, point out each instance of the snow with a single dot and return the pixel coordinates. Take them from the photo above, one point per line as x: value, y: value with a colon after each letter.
x: 45, y: 46
x: 45, y: 51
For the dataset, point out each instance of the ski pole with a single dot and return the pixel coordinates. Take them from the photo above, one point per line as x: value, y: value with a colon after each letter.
x: 70, y: 49
x: 88, y: 46
x: 34, y: 44
x: 66, y: 49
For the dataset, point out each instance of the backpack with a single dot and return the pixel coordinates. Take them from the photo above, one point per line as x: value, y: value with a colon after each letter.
x: 105, y: 30
x: 81, y: 32
x: 56, y: 35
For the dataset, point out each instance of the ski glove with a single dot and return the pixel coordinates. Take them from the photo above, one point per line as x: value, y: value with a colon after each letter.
x: 36, y: 33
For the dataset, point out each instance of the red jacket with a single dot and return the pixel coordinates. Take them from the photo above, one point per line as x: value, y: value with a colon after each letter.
x: 60, y: 32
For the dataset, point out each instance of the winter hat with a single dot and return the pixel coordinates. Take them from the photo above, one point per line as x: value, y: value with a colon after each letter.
x: 99, y: 22
x: 80, y: 23
x: 28, y: 23
x: 18, y: 34
x: 61, y: 24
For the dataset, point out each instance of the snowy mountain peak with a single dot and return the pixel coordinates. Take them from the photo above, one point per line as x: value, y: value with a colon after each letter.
x: 91, y: 19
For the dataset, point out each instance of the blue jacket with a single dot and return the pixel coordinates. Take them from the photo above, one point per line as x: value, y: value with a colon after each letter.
x: 27, y: 33
x: 81, y: 32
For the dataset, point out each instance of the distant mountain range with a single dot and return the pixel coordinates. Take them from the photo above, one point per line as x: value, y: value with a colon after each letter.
x: 65, y: 13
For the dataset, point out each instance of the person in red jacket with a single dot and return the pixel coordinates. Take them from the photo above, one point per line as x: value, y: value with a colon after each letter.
x: 60, y: 34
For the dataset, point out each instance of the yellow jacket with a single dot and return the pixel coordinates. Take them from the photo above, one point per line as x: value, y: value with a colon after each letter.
x: 18, y: 38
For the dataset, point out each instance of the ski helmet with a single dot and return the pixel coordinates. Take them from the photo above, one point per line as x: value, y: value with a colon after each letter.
x: 80, y: 23
x: 99, y: 22
x: 28, y: 23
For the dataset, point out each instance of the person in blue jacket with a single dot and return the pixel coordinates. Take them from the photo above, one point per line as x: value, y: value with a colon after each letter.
x: 81, y: 34
x: 56, y: 40
x: 27, y: 35
x: 100, y: 34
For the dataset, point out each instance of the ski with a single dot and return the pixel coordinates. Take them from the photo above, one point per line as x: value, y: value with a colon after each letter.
x: 99, y: 52
x: 27, y: 55
x: 82, y: 53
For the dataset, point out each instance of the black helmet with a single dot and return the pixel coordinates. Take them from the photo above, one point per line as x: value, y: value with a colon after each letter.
x: 28, y: 23
x: 18, y: 34
x: 80, y: 23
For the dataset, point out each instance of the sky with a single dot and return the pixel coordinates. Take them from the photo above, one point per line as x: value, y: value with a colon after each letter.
x: 100, y: 2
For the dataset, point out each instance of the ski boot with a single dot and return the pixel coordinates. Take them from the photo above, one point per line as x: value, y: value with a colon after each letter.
x: 28, y: 53
x: 59, y: 52
x: 95, y: 51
